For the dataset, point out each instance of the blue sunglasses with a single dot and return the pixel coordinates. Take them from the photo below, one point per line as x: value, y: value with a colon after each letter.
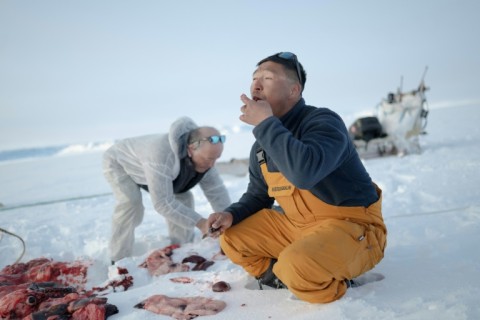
x: 293, y: 57
x: 213, y: 139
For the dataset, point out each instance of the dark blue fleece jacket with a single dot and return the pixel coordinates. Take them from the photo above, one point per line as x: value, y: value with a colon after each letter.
x: 311, y: 147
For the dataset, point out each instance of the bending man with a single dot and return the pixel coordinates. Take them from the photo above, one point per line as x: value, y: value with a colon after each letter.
x: 167, y: 166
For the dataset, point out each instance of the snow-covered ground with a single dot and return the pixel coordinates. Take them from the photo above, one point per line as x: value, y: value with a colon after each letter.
x: 61, y: 206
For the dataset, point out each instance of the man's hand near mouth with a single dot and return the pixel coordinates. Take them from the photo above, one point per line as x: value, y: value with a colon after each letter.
x: 254, y: 110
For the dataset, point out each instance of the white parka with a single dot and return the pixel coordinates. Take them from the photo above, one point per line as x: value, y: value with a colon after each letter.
x: 154, y: 160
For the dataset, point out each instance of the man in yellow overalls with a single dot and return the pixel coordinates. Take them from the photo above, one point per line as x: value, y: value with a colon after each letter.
x: 327, y: 228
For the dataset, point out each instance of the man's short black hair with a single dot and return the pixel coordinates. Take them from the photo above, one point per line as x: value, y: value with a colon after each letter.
x: 290, y: 64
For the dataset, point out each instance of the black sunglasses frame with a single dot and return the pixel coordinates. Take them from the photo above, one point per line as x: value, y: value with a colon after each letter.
x: 292, y: 56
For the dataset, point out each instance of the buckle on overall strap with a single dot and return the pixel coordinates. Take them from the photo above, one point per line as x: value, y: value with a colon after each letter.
x: 261, y: 156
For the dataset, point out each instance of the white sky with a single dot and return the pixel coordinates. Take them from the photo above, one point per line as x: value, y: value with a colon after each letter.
x: 80, y: 71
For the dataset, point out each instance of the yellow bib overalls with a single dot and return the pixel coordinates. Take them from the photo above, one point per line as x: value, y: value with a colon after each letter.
x: 317, y: 245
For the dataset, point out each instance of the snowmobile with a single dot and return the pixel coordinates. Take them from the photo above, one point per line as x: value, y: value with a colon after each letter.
x: 399, y: 120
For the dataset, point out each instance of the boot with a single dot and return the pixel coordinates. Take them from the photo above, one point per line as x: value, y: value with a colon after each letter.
x: 268, y: 278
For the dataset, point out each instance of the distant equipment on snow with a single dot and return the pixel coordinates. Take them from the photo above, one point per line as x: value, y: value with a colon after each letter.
x: 395, y: 129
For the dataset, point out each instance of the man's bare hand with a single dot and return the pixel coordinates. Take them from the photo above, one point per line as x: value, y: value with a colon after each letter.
x: 218, y: 222
x: 202, y: 225
x: 254, y: 112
